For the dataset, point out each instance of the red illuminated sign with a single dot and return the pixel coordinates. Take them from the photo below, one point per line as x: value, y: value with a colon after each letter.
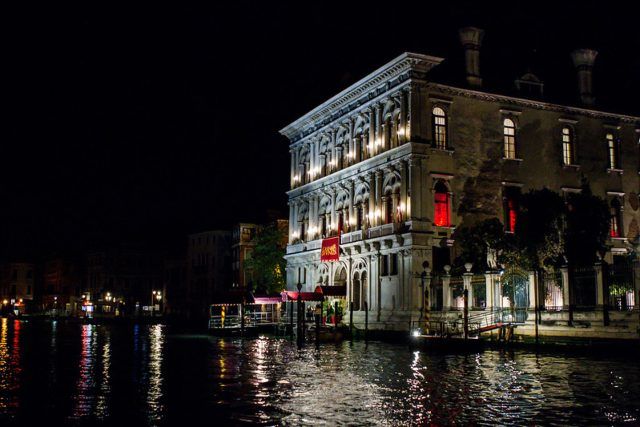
x: 330, y: 249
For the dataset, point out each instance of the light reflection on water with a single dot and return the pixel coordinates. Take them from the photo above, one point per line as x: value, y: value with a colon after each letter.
x: 148, y: 375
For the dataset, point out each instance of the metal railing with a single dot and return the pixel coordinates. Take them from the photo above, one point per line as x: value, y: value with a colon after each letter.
x: 234, y: 320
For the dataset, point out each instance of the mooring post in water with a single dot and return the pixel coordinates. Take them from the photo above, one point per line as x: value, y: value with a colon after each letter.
x: 242, y: 318
x: 466, y: 313
x: 351, y: 319
x: 299, y: 320
x: 291, y: 319
x: 366, y: 320
x: 317, y: 318
x: 303, y: 310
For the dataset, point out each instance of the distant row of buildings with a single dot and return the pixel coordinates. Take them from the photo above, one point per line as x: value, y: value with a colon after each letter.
x: 132, y: 280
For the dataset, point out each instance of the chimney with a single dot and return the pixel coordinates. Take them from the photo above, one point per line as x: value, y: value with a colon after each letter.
x: 471, y: 39
x: 583, y: 60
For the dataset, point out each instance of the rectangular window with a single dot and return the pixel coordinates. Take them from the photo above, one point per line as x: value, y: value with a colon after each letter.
x: 511, y: 197
x: 567, y: 147
x: 614, y: 152
x: 509, y: 139
x: 393, y: 264
x: 384, y: 267
x: 441, y: 209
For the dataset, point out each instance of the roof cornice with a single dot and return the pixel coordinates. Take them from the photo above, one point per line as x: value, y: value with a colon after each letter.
x: 529, y: 103
x: 400, y: 65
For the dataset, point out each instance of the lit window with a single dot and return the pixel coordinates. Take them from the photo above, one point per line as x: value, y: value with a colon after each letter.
x: 614, y: 154
x: 616, y: 219
x: 509, y: 139
x: 441, y: 201
x: 439, y: 128
x: 568, y: 152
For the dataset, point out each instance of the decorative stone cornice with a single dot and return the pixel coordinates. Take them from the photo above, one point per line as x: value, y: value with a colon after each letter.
x: 529, y: 103
x: 405, y: 64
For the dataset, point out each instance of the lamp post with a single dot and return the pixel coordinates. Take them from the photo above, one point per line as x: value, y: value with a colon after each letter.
x: 299, y: 319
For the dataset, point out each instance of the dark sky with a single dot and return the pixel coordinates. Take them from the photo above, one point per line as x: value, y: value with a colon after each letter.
x: 147, y: 123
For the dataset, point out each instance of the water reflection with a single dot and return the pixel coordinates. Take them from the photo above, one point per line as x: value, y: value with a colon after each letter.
x: 154, y: 394
x: 145, y: 375
x: 10, y: 366
x: 84, y: 397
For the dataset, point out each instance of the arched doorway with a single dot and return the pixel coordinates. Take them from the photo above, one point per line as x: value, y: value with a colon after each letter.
x: 515, y: 295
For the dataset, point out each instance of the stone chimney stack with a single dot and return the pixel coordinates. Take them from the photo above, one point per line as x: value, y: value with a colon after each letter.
x: 471, y: 39
x: 583, y: 60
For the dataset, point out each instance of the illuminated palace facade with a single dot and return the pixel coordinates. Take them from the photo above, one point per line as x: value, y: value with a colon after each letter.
x: 398, y: 161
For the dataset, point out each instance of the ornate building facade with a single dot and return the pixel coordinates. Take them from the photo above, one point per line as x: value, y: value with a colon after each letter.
x: 397, y: 161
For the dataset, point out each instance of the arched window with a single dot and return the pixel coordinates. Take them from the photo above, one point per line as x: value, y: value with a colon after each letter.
x: 439, y: 128
x: 615, y: 229
x: 509, y: 139
x: 441, y: 203
x: 568, y: 148
x: 614, y: 151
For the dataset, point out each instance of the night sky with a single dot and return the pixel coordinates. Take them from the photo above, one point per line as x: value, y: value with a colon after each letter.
x: 148, y: 123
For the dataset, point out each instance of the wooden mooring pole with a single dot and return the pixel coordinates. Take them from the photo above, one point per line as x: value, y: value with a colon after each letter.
x: 351, y: 320
x: 366, y: 320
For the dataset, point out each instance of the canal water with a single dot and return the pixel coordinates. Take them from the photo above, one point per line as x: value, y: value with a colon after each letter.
x: 53, y: 373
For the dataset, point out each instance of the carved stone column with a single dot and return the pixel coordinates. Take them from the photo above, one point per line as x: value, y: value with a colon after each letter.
x: 403, y: 118
x: 372, y: 206
x: 414, y: 189
x: 334, y: 223
x: 358, y: 150
x: 446, y: 291
x: 372, y: 133
x: 379, y: 134
x: 378, y: 202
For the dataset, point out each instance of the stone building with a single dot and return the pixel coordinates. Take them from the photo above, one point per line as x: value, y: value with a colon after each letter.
x: 17, y: 286
x: 399, y: 159
x: 208, y: 269
x: 123, y: 280
x: 62, y: 285
x: 242, y: 245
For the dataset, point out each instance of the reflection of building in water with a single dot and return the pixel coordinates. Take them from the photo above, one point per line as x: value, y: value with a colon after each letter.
x: 403, y: 157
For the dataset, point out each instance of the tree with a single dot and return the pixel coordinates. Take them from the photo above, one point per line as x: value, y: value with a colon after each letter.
x: 539, y: 229
x: 267, y: 260
x: 587, y: 226
x: 474, y: 242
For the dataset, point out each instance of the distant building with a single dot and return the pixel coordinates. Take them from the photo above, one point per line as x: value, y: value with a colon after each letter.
x: 17, y: 286
x: 61, y: 285
x: 208, y: 269
x: 124, y: 280
x: 243, y: 242
x: 175, y: 286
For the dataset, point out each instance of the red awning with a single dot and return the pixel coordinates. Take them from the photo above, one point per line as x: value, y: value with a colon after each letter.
x: 267, y: 300
x: 304, y: 296
x: 332, y: 291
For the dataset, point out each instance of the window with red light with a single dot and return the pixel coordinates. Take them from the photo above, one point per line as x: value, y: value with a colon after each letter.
x: 511, y: 197
x: 441, y: 202
x: 615, y: 229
